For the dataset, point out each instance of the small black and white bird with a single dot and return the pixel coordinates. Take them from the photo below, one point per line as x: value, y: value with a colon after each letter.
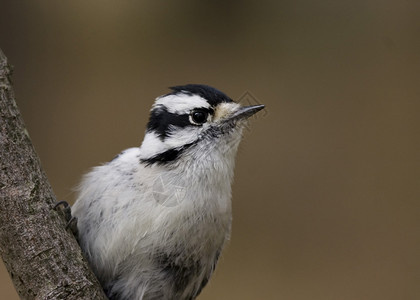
x: 153, y: 221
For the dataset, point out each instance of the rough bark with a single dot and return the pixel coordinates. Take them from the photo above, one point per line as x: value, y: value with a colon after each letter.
x: 42, y: 258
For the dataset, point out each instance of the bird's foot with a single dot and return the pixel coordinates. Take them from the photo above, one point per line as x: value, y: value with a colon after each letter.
x: 71, y: 220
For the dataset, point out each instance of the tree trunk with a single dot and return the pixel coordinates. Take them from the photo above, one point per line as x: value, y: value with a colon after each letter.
x: 42, y: 258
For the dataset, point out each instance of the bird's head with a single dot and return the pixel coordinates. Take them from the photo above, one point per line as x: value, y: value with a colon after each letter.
x: 192, y: 116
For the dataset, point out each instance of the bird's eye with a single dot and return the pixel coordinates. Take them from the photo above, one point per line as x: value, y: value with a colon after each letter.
x: 198, y: 117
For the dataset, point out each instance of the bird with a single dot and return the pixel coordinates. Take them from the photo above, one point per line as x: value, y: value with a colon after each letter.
x: 152, y: 222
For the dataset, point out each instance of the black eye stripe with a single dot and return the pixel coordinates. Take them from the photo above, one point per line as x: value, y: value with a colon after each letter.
x: 161, y: 120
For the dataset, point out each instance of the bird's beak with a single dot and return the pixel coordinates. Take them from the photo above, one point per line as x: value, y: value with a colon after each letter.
x: 245, y: 112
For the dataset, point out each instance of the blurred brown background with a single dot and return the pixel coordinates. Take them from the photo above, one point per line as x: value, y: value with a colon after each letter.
x: 326, y: 193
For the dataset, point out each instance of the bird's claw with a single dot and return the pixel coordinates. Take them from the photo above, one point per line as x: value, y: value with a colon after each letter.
x: 71, y: 220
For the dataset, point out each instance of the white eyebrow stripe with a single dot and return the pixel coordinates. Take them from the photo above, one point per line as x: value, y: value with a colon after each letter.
x: 182, y: 103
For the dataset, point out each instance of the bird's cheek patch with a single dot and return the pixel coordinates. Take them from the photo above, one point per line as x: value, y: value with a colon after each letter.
x: 223, y: 110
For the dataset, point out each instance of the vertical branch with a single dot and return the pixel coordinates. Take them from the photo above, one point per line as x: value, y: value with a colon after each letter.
x: 42, y: 258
